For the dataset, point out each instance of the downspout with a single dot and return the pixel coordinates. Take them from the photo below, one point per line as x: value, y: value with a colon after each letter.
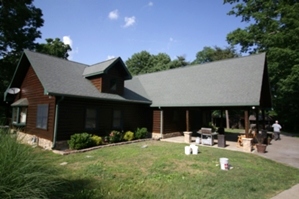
x: 161, y: 123
x: 56, y: 121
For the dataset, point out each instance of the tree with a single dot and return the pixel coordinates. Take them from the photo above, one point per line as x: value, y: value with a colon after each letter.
x: 140, y: 63
x: 209, y: 54
x: 144, y: 62
x: 180, y: 61
x: 273, y: 28
x: 19, y: 23
x: 54, y: 47
x: 160, y: 62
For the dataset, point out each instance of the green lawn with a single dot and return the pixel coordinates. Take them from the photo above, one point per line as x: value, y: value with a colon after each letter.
x: 162, y: 170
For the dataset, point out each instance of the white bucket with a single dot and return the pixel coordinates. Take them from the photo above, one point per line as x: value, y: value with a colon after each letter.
x: 187, y: 150
x: 224, y: 163
x: 194, y: 150
x: 197, y: 140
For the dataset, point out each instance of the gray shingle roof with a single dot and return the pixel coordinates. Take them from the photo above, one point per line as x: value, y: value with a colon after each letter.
x: 104, y: 66
x: 98, y: 68
x: 63, y: 77
x: 231, y: 82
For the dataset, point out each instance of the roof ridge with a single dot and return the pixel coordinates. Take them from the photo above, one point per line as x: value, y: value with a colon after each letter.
x: 52, y: 56
x: 232, y: 58
x: 115, y: 58
x: 206, y: 63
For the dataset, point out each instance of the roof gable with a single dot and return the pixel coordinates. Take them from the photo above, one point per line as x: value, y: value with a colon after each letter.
x: 103, y: 67
x: 60, y: 77
x: 231, y: 82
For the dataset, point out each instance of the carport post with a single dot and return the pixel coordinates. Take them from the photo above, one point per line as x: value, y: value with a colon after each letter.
x: 187, y: 120
x: 246, y: 122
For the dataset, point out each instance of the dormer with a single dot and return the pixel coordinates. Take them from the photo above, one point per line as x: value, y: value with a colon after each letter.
x: 108, y: 76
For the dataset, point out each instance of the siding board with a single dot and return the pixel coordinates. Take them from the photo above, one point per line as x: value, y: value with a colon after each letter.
x: 32, y: 89
x: 72, y: 116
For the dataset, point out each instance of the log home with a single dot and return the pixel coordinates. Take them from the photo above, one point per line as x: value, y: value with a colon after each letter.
x: 56, y: 98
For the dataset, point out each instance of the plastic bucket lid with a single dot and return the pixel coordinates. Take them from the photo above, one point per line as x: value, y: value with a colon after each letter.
x: 224, y: 160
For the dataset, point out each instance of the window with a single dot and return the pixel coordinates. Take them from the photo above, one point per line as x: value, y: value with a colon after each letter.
x: 19, y: 112
x: 19, y: 115
x: 42, y: 116
x: 113, y: 84
x: 117, y: 119
x: 90, y: 118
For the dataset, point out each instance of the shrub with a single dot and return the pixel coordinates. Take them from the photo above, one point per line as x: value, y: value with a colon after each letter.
x: 115, y: 136
x: 25, y: 173
x: 80, y: 141
x: 212, y: 126
x: 97, y: 140
x: 141, y: 133
x: 129, y: 135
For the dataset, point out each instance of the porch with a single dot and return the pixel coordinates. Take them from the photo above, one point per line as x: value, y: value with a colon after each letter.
x: 231, y: 141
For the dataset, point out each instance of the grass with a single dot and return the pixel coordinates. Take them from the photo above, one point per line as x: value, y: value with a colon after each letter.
x: 25, y: 173
x: 162, y: 170
x: 21, y: 175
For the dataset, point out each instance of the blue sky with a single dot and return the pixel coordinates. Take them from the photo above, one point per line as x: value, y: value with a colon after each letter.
x: 101, y: 29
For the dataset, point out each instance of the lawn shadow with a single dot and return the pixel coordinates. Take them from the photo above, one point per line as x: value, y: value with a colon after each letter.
x: 77, y: 188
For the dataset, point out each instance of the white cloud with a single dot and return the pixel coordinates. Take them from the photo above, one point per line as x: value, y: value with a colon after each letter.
x: 110, y: 57
x: 129, y: 21
x: 113, y: 15
x: 170, y: 42
x: 67, y: 40
x: 150, y: 4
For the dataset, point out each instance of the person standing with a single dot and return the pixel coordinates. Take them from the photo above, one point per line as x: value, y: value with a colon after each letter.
x: 276, y: 129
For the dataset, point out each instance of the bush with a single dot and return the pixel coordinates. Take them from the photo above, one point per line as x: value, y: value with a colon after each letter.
x: 212, y: 126
x: 97, y: 140
x: 129, y: 135
x: 80, y: 141
x: 141, y: 133
x: 25, y: 173
x: 115, y: 136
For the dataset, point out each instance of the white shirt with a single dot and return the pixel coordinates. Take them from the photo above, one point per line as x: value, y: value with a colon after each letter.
x: 276, y: 127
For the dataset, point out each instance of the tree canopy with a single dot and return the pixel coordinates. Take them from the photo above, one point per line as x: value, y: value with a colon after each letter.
x: 54, y: 47
x: 19, y: 23
x: 209, y: 54
x: 273, y: 28
x: 144, y: 62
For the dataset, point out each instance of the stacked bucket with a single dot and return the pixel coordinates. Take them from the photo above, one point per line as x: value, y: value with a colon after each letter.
x: 192, y: 149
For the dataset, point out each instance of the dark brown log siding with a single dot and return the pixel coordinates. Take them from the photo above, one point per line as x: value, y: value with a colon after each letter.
x: 72, y: 116
x: 114, y: 73
x: 174, y: 120
x: 97, y: 82
x: 156, y: 121
x: 102, y: 82
x: 33, y: 90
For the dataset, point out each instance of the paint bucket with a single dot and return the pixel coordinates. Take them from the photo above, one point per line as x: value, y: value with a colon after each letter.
x: 187, y: 150
x: 224, y: 163
x: 194, y: 150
